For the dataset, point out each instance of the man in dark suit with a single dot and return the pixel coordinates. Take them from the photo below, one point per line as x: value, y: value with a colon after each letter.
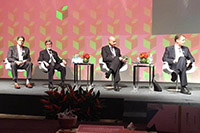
x: 51, y: 60
x: 112, y: 57
x: 19, y: 57
x: 180, y: 60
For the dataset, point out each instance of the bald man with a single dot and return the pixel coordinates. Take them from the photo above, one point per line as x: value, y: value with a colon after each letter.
x: 112, y: 57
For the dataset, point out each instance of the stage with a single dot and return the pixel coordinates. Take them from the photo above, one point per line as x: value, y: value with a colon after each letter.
x: 146, y: 107
x: 143, y: 94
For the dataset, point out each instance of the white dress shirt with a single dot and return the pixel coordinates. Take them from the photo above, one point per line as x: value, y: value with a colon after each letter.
x: 112, y: 49
x: 20, y: 52
x: 178, y: 52
x: 51, y: 56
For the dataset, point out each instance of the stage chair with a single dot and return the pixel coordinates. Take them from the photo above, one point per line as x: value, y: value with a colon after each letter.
x: 168, y: 70
x: 8, y: 66
x: 104, y: 69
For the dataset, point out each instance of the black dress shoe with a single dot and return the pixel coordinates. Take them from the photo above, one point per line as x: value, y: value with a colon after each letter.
x: 116, y: 87
x: 184, y: 90
x: 174, y: 76
x: 107, y: 74
x: 51, y: 86
x: 62, y: 85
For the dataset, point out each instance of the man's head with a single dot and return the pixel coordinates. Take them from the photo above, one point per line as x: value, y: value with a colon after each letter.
x: 179, y: 39
x: 48, y: 44
x: 112, y: 41
x: 20, y: 40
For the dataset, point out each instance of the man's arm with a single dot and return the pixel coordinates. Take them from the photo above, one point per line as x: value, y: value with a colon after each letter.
x: 106, y: 57
x: 28, y: 58
x: 189, y: 56
x: 58, y: 60
x: 40, y: 58
x: 166, y: 56
x: 10, y: 55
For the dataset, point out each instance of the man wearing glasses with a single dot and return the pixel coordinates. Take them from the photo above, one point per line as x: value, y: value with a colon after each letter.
x: 51, y: 61
x: 19, y: 57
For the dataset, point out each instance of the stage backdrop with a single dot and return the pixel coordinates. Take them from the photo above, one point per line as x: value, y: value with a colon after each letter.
x: 83, y: 26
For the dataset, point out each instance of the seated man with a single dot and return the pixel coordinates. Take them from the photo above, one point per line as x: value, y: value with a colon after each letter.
x: 19, y: 57
x: 179, y: 59
x: 51, y: 60
x: 112, y: 57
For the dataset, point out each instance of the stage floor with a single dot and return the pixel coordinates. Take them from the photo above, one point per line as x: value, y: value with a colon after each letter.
x: 144, y: 94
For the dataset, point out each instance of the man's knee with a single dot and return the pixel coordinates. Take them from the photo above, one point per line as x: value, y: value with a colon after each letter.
x: 182, y: 59
x: 116, y: 61
x: 29, y: 63
x: 13, y: 65
x: 63, y: 69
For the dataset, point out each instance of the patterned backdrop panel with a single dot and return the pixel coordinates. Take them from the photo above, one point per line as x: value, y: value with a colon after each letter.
x: 83, y: 26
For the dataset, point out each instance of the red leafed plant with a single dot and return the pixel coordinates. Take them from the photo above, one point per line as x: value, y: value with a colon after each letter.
x: 86, y: 55
x: 83, y: 103
x: 144, y: 55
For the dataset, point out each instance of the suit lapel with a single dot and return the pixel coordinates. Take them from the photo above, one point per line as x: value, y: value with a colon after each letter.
x: 16, y: 51
x: 184, y: 50
x: 108, y: 49
x: 47, y: 54
x: 173, y: 51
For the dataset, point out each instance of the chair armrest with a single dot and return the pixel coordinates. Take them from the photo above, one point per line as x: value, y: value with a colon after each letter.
x: 5, y: 61
x: 103, y: 65
x: 192, y: 69
x: 42, y: 67
x: 62, y: 64
x: 124, y: 67
x: 166, y: 68
x: 7, y: 64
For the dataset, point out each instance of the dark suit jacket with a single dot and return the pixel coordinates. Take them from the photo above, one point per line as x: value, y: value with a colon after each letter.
x: 107, y: 54
x: 44, y: 56
x: 169, y: 54
x: 13, y: 54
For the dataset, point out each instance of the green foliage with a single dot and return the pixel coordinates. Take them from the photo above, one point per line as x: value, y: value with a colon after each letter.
x: 64, y: 8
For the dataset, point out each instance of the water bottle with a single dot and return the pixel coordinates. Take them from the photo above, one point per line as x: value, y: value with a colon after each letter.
x: 150, y: 59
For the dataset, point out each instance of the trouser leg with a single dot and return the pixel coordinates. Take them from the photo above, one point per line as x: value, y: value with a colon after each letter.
x: 50, y: 73
x: 62, y: 71
x: 28, y: 67
x: 180, y: 67
x: 115, y: 66
x: 14, y: 71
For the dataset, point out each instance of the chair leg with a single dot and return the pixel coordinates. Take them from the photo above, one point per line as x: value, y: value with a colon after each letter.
x: 177, y: 85
x: 110, y: 86
x: 176, y: 89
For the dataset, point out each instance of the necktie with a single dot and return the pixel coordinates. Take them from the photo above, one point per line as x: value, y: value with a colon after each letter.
x: 52, y: 60
x: 112, y: 51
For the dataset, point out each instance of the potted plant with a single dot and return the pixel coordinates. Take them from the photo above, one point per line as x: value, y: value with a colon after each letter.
x: 83, y: 103
x: 67, y: 119
x: 144, y: 57
x: 86, y: 58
